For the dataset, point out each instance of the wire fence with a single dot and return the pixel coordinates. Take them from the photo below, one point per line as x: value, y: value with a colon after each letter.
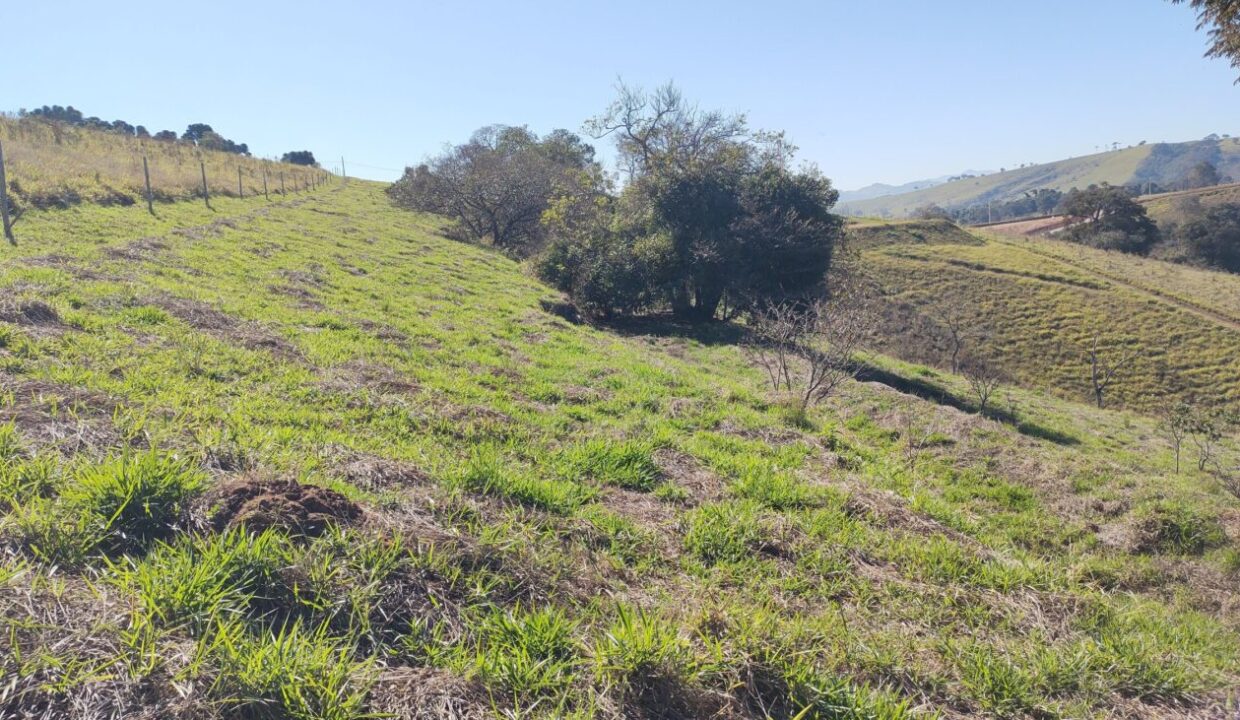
x: 47, y: 165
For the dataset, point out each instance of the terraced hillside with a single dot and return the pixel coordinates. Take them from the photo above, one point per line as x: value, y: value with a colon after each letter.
x: 1162, y: 163
x: 310, y: 459
x: 1036, y: 305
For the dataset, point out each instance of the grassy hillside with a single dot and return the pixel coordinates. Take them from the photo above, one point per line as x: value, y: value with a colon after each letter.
x: 311, y: 459
x: 55, y: 165
x: 1037, y: 304
x: 1161, y: 163
x: 1165, y: 206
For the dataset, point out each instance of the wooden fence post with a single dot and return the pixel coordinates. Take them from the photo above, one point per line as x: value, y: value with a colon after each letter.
x: 240, y: 190
x: 281, y: 183
x: 146, y: 173
x: 4, y: 202
x: 206, y: 194
x: 265, y: 195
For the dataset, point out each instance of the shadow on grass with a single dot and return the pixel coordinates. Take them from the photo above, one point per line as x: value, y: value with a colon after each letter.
x: 929, y: 391
x: 667, y: 326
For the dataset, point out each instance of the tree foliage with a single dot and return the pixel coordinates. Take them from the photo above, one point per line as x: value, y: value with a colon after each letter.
x: 300, y: 157
x: 1222, y: 18
x: 199, y: 134
x: 1111, y: 219
x: 1213, y: 238
x: 498, y: 184
x: 710, y: 222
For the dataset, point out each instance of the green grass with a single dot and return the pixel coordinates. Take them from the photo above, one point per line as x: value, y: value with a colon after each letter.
x: 563, y: 520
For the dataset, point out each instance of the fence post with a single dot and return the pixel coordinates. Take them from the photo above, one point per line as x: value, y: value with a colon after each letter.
x: 265, y: 195
x: 4, y: 202
x: 146, y: 173
x: 206, y: 194
x: 240, y: 190
x: 281, y: 183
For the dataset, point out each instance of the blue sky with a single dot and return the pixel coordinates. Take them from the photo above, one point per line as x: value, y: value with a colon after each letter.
x: 892, y: 91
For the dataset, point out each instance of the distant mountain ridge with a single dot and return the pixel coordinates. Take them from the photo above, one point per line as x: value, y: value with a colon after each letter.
x: 1159, y: 163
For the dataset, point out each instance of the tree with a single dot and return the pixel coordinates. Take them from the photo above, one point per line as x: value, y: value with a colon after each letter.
x: 984, y: 379
x: 1223, y: 19
x: 195, y: 132
x: 931, y: 211
x: 1176, y: 422
x: 300, y: 157
x: 165, y: 136
x: 958, y: 329
x: 1207, y: 428
x: 1105, y: 365
x: 1203, y: 174
x: 1213, y: 238
x: 497, y: 185
x: 807, y: 349
x: 1110, y: 219
x: 737, y: 225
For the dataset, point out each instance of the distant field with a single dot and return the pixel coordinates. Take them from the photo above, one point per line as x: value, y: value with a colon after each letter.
x: 1040, y: 303
x: 1036, y: 226
x: 1162, y: 206
x: 874, y: 233
x: 53, y: 164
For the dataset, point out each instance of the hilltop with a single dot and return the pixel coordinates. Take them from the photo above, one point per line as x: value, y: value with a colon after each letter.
x: 310, y: 458
x: 1158, y: 163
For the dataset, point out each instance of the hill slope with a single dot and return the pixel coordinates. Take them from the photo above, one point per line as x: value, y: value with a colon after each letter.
x: 1162, y: 163
x: 1035, y: 305
x: 479, y: 508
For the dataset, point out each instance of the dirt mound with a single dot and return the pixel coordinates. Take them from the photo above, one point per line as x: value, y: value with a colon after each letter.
x: 259, y: 504
x: 30, y: 312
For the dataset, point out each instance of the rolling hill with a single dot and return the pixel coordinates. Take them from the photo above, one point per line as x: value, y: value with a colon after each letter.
x: 309, y: 458
x: 1162, y: 163
x: 1035, y: 306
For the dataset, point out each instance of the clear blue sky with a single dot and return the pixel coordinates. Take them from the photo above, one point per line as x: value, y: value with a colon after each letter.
x: 891, y: 91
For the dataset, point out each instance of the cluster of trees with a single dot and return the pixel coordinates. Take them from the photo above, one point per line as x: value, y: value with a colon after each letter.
x: 711, y: 220
x: 300, y: 157
x: 499, y: 184
x: 199, y: 134
x: 709, y: 223
x: 1208, y: 236
x: 1109, y: 218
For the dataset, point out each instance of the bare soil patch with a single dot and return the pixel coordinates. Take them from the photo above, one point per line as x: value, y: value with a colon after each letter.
x: 258, y: 504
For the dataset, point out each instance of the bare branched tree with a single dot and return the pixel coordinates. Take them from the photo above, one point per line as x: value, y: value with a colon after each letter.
x: 1207, y: 428
x: 1105, y: 365
x: 661, y: 129
x: 808, y: 348
x: 984, y: 379
x: 1176, y: 423
x: 958, y: 331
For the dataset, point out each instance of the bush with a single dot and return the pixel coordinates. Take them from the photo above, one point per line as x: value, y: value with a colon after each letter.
x: 1165, y: 527
x: 136, y: 499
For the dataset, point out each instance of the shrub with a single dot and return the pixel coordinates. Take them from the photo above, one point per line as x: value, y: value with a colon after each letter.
x: 1165, y: 527
x: 530, y: 653
x: 293, y: 673
x: 136, y: 499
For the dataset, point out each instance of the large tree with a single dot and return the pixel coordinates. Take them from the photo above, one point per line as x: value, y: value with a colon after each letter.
x: 710, y: 222
x: 498, y: 184
x: 1110, y: 219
